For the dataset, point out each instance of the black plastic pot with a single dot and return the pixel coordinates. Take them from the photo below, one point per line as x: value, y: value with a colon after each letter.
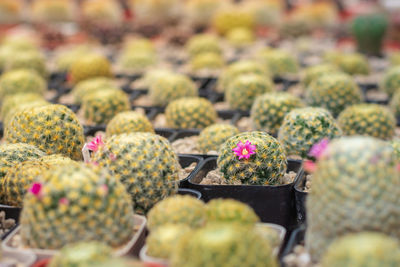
x: 11, y: 212
x: 300, y: 197
x: 189, y: 192
x: 295, y: 238
x: 185, y: 161
x: 274, y: 204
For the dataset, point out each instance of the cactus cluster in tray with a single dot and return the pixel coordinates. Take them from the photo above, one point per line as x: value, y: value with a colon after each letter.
x: 213, y: 136
x: 128, y: 122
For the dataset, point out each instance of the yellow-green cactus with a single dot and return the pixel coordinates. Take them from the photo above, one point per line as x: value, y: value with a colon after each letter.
x: 21, y: 81
x: 129, y: 122
x: 395, y: 59
x: 207, y: 61
x: 229, y: 18
x: 354, y: 64
x: 89, y: 86
x: 230, y: 211
x: 212, y: 137
x: 391, y: 81
x: 28, y: 60
x: 279, y: 61
x: 136, y: 61
x: 240, y: 37
x: 316, y: 71
x: 10, y: 102
x: 90, y: 66
x: 203, y: 43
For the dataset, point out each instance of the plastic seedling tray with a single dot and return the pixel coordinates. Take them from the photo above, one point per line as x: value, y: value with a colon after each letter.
x: 185, y: 161
x: 189, y: 192
x: 300, y: 196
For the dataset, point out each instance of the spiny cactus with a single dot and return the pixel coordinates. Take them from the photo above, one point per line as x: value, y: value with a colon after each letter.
x: 394, y: 103
x: 52, y: 128
x: 21, y: 81
x: 57, y: 160
x: 52, y: 11
x: 303, y: 127
x: 31, y: 60
x: 89, y: 86
x: 391, y: 81
x: 20, y: 107
x: 128, y: 122
x: 240, y: 37
x: 334, y: 92
x: 207, y: 61
x: 203, y: 43
x: 212, y: 137
x: 11, y: 102
x: 355, y: 188
x: 136, y: 61
x: 353, y: 64
x: 229, y: 18
x: 316, y: 71
x: 177, y: 209
x: 254, y: 158
x: 65, y: 58
x: 242, y: 91
x: 368, y: 119
x: 190, y: 112
x: 269, y: 109
x: 139, y: 44
x: 90, y: 66
x: 76, y: 203
x: 279, y: 61
x: 145, y: 163
x: 167, y: 88
x: 395, y: 59
x: 230, y: 211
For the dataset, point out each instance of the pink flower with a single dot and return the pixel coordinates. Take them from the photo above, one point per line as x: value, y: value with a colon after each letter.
x: 96, y: 143
x: 112, y: 157
x: 244, y: 150
x: 36, y: 188
x: 318, y: 149
x: 63, y: 201
x: 309, y: 166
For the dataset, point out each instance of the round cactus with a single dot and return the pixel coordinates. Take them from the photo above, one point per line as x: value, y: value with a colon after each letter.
x: 136, y: 61
x: 11, y: 102
x: 129, y: 122
x: 230, y: 18
x: 167, y: 88
x: 203, y: 43
x: 368, y: 119
x: 391, y: 81
x: 363, y: 249
x: 304, y: 127
x: 101, y: 106
x: 242, y: 91
x: 145, y: 163
x: 354, y: 189
x: 230, y: 211
x: 52, y: 128
x: 207, y: 61
x: 314, y: 72
x: 240, y: 37
x: 279, y: 61
x: 395, y: 59
x: 139, y: 44
x: 66, y: 58
x: 21, y: 81
x: 52, y: 11
x: 76, y: 203
x: 395, y: 104
x: 31, y: 60
x: 354, y: 64
x: 254, y: 158
x: 20, y: 107
x: 190, y: 112
x: 212, y: 137
x: 57, y: 160
x: 201, y: 12
x: 334, y: 92
x: 177, y: 209
x: 268, y: 110
x: 396, y: 147
x: 90, y: 66
x: 89, y: 86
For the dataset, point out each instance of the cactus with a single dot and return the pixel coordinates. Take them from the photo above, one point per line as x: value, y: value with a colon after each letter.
x: 201, y: 12
x: 145, y: 163
x: 177, y: 209
x: 394, y: 103
x: 395, y: 59
x: 304, y: 127
x: 391, y: 81
x: 52, y: 11
x: 230, y: 18
x: 369, y: 31
x: 19, y: 179
x: 355, y: 188
x: 242, y: 91
x: 240, y: 37
x: 76, y: 203
x: 294, y: 28
x: 354, y: 64
x: 203, y: 43
x: 139, y: 44
x: 368, y: 119
x: 101, y: 106
x: 395, y: 142
x: 207, y: 61
x: 316, y: 71
x: 334, y: 92
x: 223, y: 245
x: 90, y: 66
x: 269, y: 109
x: 279, y: 62
x: 167, y: 88
x: 128, y: 122
x: 89, y: 86
x: 65, y: 59
x: 212, y: 137
x: 162, y: 241
x: 20, y: 107
x: 21, y: 81
x: 52, y: 128
x: 57, y: 160
x: 11, y: 102
x: 31, y: 60
x: 190, y: 112
x: 260, y: 159
x: 230, y: 211
x: 363, y: 249
x: 136, y: 61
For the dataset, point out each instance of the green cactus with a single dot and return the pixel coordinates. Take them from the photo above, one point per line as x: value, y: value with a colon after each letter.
x: 76, y: 203
x: 391, y: 81
x: 369, y: 31
x: 133, y: 159
x: 90, y: 66
x: 167, y: 88
x: 363, y: 249
x: 102, y: 105
x: 368, y: 119
x: 206, y: 61
x: 242, y: 91
x: 265, y: 167
x: 190, y: 112
x: 128, y: 122
x: 334, y: 92
x: 177, y: 209
x: 136, y: 61
x: 212, y: 137
x: 52, y: 128
x: 139, y: 44
x: 66, y: 58
x: 240, y: 37
x: 89, y: 86
x: 269, y: 109
x: 31, y: 60
x: 316, y: 71
x: 203, y: 43
x: 279, y: 61
x: 355, y: 188
x: 21, y: 81
x: 303, y: 127
x: 11, y: 102
x: 20, y: 107
x: 57, y: 160
x: 354, y: 63
x: 230, y: 211
x: 232, y: 17
x: 396, y: 147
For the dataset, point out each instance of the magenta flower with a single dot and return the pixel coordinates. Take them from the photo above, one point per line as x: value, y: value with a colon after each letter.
x: 244, y: 150
x: 318, y: 149
x: 96, y: 143
x: 36, y: 188
x: 309, y: 166
x: 63, y: 201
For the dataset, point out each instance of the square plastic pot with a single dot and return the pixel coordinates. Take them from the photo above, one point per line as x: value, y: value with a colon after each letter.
x: 300, y: 196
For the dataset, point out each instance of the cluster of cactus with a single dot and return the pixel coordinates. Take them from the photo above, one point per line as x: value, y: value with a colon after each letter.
x: 230, y: 211
x: 129, y: 122
x: 89, y: 86
x: 391, y: 81
x: 334, y: 92
x: 362, y: 172
x: 89, y: 66
x: 278, y: 61
x: 353, y: 64
x: 303, y: 127
x: 167, y: 88
x: 207, y: 61
x: 213, y: 136
x: 21, y: 81
x: 144, y: 162
x: 268, y: 110
x: 240, y: 37
x: 242, y: 91
x: 32, y: 60
x: 368, y: 119
x: 316, y: 71
x: 52, y: 128
x: 76, y: 203
x: 260, y: 160
x: 101, y: 106
x: 230, y: 18
x: 203, y: 43
x: 190, y: 113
